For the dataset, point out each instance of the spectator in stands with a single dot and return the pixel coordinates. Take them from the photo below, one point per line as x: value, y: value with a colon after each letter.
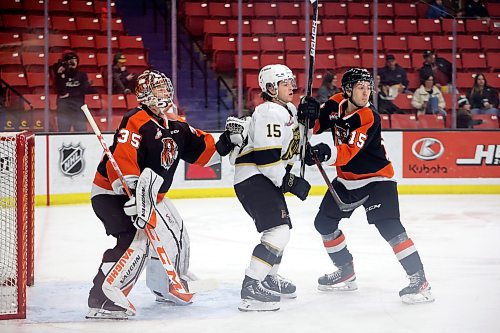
x: 428, y: 99
x: 483, y: 98
x: 71, y: 86
x: 475, y: 8
x: 123, y: 81
x: 327, y: 88
x: 464, y: 116
x: 394, y: 76
x: 385, y: 104
x: 436, y: 10
x: 439, y: 68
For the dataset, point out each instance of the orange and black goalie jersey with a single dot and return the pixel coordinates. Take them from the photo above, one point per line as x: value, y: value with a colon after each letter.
x: 147, y: 140
x: 358, y: 138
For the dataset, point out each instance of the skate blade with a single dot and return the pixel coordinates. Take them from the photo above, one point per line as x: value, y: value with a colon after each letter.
x: 343, y: 286
x: 422, y: 297
x: 105, y: 314
x: 248, y: 305
x: 288, y: 296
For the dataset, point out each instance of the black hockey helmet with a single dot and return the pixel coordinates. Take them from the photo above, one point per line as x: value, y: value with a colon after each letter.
x: 355, y: 75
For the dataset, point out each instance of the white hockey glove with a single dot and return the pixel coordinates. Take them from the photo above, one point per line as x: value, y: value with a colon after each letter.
x: 238, y: 129
x: 141, y: 206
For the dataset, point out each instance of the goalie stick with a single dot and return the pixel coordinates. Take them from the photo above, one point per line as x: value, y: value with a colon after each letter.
x: 177, y: 285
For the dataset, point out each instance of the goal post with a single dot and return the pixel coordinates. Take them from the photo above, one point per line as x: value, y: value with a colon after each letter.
x: 17, y: 198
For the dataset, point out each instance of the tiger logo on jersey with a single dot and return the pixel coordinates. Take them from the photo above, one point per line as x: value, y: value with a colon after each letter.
x: 169, y: 152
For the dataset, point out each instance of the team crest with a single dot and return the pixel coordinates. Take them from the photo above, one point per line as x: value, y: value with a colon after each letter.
x: 71, y: 161
x: 169, y: 152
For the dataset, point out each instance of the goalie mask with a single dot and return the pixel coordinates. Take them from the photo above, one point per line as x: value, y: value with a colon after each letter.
x: 154, y: 89
x: 271, y: 75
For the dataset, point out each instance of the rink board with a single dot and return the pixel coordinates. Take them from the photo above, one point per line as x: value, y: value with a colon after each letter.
x: 436, y: 162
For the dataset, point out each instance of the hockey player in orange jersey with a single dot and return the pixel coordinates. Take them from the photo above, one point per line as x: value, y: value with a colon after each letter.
x: 147, y: 147
x: 362, y: 170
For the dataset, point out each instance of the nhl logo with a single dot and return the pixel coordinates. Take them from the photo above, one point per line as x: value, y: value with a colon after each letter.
x: 71, y: 160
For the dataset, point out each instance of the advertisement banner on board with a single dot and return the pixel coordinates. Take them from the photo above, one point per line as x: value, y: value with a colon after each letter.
x: 451, y: 154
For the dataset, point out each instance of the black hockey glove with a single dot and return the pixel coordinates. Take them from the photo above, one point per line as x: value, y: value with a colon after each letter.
x: 224, y: 144
x: 321, y: 151
x: 308, y: 109
x: 296, y: 185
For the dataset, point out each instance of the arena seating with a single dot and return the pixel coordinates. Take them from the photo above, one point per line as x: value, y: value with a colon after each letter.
x: 73, y: 25
x: 344, y: 39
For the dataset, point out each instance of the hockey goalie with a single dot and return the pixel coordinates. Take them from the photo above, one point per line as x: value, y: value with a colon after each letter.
x: 148, y: 229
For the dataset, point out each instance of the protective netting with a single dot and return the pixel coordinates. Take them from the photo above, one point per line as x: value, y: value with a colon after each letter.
x: 10, y: 276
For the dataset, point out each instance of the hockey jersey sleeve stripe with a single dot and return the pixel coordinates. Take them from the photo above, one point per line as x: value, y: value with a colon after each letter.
x: 387, y: 171
x: 261, y: 157
x: 209, y: 151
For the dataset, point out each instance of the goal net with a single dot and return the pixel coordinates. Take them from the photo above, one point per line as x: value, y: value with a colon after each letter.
x: 17, y: 194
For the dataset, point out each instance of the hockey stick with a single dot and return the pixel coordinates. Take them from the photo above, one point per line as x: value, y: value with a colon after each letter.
x: 178, y: 287
x: 345, y: 207
x: 312, y: 59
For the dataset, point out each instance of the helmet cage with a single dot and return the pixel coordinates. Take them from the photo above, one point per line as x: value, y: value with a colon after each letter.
x: 154, y: 89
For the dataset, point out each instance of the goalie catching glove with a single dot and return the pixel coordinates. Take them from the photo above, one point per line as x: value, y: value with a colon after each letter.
x: 141, y: 206
x: 295, y: 185
x: 235, y: 133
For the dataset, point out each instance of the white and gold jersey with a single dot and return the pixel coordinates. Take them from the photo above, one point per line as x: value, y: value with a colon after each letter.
x: 272, y: 143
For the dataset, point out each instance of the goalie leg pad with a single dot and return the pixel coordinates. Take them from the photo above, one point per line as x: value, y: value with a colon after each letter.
x: 122, y: 276
x: 173, y: 235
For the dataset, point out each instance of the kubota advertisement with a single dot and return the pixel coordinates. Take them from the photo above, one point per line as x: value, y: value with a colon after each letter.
x: 451, y: 155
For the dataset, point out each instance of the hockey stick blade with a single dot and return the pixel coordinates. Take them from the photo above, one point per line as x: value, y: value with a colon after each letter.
x: 345, y: 207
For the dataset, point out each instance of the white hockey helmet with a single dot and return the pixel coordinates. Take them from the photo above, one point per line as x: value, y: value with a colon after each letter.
x: 154, y: 88
x: 271, y: 75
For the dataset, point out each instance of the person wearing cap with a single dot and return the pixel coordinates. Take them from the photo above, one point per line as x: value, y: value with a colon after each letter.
x: 464, y: 116
x: 437, y: 67
x: 394, y: 76
x: 327, y: 88
x: 71, y: 86
x: 123, y: 81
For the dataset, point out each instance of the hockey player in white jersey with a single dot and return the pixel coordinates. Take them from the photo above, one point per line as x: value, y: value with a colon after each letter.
x: 262, y: 175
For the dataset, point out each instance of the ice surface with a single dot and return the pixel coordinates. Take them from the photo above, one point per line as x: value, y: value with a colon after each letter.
x: 458, y: 238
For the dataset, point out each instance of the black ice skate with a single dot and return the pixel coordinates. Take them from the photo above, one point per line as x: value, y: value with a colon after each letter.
x: 254, y: 297
x: 344, y: 279
x: 105, y: 309
x: 279, y: 286
x: 418, y: 291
